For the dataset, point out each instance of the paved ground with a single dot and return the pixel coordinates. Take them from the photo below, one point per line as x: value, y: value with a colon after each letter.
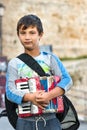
x: 5, y: 125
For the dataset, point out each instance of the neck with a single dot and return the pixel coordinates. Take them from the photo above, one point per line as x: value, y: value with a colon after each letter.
x: 33, y: 53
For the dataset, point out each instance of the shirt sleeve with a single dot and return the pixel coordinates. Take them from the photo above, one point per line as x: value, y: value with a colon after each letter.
x: 12, y: 93
x: 59, y: 69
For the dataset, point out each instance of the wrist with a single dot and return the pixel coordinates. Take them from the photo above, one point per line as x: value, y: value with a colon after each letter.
x: 49, y: 96
x: 27, y: 97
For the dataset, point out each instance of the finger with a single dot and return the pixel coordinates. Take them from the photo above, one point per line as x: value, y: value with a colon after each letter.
x: 40, y: 106
x: 41, y: 91
x: 39, y: 97
x: 44, y: 105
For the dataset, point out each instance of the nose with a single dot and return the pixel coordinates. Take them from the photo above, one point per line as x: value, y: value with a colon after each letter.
x: 27, y: 36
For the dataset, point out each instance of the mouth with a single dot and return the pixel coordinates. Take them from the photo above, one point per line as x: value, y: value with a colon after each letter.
x: 27, y: 43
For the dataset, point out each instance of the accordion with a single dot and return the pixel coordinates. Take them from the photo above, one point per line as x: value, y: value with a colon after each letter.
x: 30, y: 85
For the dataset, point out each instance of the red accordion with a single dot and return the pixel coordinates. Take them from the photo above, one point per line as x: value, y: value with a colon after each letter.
x: 32, y: 85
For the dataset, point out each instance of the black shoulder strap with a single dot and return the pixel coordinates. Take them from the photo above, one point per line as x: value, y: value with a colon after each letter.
x: 32, y: 63
x: 11, y: 107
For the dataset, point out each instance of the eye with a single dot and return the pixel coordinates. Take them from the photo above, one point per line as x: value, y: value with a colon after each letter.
x: 32, y: 32
x: 22, y: 32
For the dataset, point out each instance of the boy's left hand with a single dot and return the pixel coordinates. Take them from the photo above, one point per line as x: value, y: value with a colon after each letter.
x: 42, y: 98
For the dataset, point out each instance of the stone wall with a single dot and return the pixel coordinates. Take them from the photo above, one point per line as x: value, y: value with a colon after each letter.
x: 78, y: 92
x: 65, y: 28
x: 64, y: 21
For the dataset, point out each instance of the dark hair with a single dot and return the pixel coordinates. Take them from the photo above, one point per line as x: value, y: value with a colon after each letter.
x: 30, y: 20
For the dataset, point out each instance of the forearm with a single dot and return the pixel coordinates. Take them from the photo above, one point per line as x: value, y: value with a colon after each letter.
x: 57, y: 91
x: 47, y: 96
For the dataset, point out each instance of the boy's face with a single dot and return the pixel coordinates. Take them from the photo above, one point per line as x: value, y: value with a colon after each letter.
x: 29, y: 37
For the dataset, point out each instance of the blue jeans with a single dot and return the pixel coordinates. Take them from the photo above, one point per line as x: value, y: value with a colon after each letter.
x: 43, y: 122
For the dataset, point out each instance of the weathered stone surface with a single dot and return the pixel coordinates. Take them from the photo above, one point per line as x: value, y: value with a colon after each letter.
x: 64, y: 21
x: 65, y: 28
x: 78, y: 92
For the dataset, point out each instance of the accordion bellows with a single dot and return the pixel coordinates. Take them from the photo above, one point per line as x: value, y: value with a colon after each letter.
x: 30, y: 85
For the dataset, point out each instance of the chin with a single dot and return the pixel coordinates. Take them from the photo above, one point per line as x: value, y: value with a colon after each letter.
x: 29, y: 49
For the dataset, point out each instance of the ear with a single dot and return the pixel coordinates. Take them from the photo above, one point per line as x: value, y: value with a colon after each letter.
x: 41, y: 35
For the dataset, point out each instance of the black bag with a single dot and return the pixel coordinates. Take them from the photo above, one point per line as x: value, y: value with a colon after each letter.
x: 11, y: 112
x: 69, y: 119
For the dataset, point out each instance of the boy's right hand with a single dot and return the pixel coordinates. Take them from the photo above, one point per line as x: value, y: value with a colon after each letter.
x: 41, y: 105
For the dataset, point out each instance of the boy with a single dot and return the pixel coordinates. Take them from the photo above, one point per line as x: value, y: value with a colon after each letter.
x: 30, y: 31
